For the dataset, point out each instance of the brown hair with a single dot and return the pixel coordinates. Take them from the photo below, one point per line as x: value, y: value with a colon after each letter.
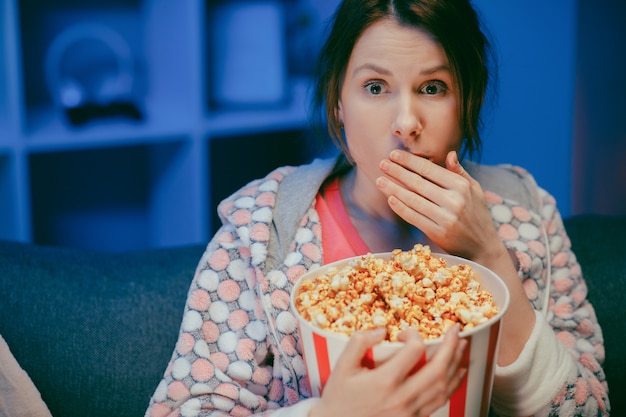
x: 453, y: 23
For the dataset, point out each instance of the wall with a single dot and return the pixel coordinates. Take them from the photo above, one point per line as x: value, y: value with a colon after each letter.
x: 530, y: 124
x: 599, y: 171
x: 559, y: 113
x: 561, y: 109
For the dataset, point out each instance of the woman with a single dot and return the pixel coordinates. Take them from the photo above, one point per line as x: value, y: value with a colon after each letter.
x: 402, y: 83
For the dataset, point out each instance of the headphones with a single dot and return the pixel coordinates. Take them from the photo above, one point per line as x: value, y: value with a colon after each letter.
x: 90, y: 73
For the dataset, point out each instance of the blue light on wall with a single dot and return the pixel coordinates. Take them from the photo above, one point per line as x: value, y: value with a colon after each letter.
x: 531, y: 122
x: 248, y: 57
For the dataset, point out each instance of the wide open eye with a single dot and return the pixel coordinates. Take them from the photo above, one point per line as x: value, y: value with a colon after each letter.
x: 433, y: 88
x: 375, y: 88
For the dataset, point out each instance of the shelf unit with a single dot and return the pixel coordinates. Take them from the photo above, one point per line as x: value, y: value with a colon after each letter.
x: 121, y: 184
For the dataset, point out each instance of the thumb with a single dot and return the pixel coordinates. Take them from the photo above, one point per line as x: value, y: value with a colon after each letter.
x: 453, y: 164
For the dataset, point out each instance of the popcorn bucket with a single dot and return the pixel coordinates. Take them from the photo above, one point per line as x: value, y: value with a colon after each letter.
x: 322, y: 348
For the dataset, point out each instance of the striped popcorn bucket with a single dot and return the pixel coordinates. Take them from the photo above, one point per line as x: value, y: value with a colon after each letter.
x: 322, y: 348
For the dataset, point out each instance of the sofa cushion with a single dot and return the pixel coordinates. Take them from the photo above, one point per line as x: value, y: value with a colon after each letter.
x: 598, y: 242
x: 94, y: 331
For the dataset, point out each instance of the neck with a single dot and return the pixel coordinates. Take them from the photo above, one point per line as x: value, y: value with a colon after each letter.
x: 380, y: 228
x: 366, y: 204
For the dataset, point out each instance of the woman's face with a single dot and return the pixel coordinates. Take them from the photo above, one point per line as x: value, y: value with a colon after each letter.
x: 398, y: 93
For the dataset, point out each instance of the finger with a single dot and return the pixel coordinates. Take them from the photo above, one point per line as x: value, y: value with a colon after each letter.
x: 424, y: 215
x: 441, y: 375
x: 413, y: 200
x: 436, y: 368
x: 442, y: 186
x: 454, y: 165
x: 357, y: 347
x: 408, y: 192
x: 451, y: 348
x: 457, y: 357
x: 460, y: 373
x: 447, y: 349
x: 403, y: 363
x: 414, y: 215
x: 434, y: 173
x: 409, y: 334
x: 407, y: 178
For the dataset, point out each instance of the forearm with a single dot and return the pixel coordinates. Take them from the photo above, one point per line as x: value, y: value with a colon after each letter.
x: 519, y: 320
x: 563, y: 356
x: 535, y: 377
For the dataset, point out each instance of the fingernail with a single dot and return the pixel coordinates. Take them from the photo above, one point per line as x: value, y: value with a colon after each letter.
x: 381, y: 182
x: 394, y: 155
x: 385, y: 165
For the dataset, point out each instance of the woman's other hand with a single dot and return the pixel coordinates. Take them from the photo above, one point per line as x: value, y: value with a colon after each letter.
x: 447, y: 204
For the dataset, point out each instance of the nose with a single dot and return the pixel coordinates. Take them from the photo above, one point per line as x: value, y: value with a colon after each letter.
x: 407, y: 124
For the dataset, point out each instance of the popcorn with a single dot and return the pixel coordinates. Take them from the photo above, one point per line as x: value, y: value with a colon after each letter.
x: 412, y: 289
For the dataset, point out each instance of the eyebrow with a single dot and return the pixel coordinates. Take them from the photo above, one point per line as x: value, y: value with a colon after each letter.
x: 439, y: 68
x: 372, y: 67
x: 383, y: 71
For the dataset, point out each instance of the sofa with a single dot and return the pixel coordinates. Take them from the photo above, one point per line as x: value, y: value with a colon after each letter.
x: 94, y: 330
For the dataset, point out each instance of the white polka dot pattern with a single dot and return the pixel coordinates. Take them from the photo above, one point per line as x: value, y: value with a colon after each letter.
x: 238, y: 351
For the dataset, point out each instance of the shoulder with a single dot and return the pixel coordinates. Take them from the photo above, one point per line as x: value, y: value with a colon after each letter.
x: 508, y: 181
x: 292, y: 185
x: 248, y: 195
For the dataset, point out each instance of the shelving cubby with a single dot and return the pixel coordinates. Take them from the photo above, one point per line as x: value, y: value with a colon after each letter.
x: 117, y: 206
x: 120, y: 183
x: 112, y: 183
